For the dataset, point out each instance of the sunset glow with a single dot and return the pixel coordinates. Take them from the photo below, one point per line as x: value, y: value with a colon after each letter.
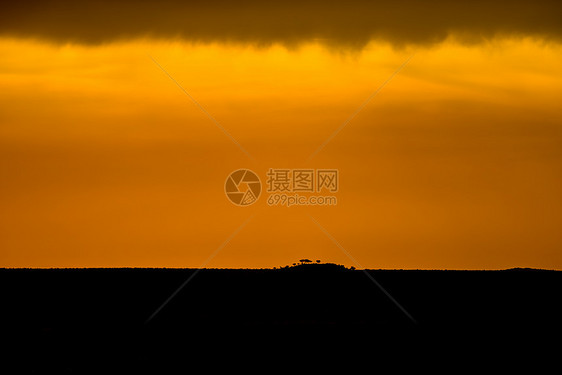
x: 106, y: 162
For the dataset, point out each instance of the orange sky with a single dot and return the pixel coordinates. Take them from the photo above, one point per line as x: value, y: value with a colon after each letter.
x: 455, y: 163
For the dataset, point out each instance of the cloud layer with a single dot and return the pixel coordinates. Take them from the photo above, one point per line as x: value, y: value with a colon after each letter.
x: 345, y: 23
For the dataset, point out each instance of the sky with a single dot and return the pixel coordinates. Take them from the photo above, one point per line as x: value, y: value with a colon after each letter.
x: 121, y: 121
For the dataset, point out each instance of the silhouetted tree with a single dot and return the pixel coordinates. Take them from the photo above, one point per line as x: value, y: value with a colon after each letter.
x: 303, y: 261
x: 317, y: 260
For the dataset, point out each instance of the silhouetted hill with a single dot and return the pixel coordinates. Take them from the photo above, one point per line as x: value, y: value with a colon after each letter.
x: 49, y: 313
x: 315, y: 267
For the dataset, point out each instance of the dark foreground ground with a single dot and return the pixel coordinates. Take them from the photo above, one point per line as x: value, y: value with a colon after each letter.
x: 74, y: 320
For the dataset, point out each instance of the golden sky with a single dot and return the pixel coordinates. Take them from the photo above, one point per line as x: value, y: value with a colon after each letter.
x: 455, y: 163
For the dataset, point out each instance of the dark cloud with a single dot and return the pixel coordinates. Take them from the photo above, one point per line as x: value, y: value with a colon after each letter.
x: 347, y: 23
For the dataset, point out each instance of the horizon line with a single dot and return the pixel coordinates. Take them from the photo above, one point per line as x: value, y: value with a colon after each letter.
x: 280, y: 268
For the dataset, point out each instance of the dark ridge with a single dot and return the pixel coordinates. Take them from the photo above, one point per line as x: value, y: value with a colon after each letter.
x: 526, y: 269
x: 54, y: 319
